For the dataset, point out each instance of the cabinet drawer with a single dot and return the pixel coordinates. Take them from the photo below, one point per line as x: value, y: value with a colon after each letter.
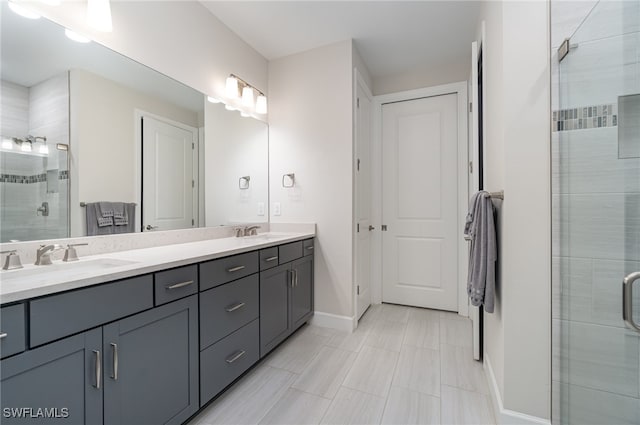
x: 216, y: 272
x: 227, y: 308
x: 223, y: 362
x: 268, y: 258
x: 307, y: 247
x: 12, y: 330
x: 59, y: 315
x: 178, y: 283
x: 289, y: 252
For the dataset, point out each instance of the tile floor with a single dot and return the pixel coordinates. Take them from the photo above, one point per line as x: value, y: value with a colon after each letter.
x: 401, y: 366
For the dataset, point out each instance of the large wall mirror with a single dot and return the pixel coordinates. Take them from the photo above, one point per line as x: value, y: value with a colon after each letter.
x: 83, y: 126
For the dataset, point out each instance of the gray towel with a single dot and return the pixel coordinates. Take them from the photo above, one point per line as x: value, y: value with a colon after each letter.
x: 120, y: 214
x: 480, y: 227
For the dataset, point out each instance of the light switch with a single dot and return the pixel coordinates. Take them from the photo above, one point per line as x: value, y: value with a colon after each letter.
x: 260, y: 208
x: 276, y: 208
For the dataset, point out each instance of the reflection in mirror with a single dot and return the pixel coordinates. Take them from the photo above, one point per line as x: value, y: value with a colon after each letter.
x: 134, y: 136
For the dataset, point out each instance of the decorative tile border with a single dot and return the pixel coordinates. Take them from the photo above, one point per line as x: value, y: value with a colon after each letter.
x: 36, y: 178
x: 585, y: 117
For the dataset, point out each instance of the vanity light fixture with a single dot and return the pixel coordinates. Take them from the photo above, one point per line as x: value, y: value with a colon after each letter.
x: 75, y: 36
x: 213, y: 99
x: 26, y: 146
x: 261, y: 104
x: 244, y: 114
x: 51, y: 2
x: 229, y: 107
x: 99, y: 15
x: 232, y: 90
x: 44, y: 149
x: 22, y: 11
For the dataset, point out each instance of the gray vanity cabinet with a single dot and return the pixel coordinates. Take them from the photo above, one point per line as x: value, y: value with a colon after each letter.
x: 275, y: 324
x: 151, y: 366
x: 302, y: 291
x: 64, y: 378
x: 286, y: 297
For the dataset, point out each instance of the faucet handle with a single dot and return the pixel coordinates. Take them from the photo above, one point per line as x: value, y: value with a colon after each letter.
x: 70, y: 254
x: 12, y: 261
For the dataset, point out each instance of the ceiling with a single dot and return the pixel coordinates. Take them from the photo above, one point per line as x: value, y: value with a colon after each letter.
x: 393, y: 37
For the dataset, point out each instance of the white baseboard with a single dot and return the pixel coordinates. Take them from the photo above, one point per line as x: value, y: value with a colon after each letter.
x: 506, y: 416
x: 333, y: 321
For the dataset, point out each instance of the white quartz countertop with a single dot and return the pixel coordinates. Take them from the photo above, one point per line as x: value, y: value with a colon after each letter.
x: 36, y: 281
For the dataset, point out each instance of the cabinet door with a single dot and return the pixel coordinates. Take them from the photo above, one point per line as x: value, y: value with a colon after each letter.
x: 151, y: 366
x: 274, y: 307
x: 302, y: 291
x: 58, y: 383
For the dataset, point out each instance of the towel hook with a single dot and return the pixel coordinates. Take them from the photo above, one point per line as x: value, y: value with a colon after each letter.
x: 292, y: 180
x: 243, y: 182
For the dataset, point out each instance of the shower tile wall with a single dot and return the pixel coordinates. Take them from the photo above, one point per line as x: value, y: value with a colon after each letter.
x: 42, y: 110
x: 596, y: 220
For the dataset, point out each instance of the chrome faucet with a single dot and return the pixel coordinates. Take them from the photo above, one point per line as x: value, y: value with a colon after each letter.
x: 251, y: 230
x: 43, y: 254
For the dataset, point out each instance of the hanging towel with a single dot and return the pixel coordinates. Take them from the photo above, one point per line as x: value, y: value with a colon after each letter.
x: 96, y: 223
x: 127, y: 221
x: 120, y: 221
x: 480, y: 228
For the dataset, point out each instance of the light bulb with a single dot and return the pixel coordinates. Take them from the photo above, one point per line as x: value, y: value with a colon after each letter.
x: 247, y: 97
x: 26, y: 147
x: 99, y: 15
x: 7, y: 144
x: 231, y: 89
x: 75, y: 36
x: 261, y: 104
x: 20, y: 10
x: 213, y: 99
x: 44, y: 149
x: 51, y: 2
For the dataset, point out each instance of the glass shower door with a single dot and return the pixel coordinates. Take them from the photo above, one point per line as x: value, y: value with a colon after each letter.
x: 596, y: 220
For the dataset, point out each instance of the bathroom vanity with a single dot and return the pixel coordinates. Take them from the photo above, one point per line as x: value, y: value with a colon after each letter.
x: 154, y: 337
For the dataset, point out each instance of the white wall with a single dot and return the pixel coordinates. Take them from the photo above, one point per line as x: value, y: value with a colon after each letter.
x: 103, y: 140
x: 422, y: 77
x: 517, y: 108
x: 181, y: 39
x: 235, y: 146
x: 310, y: 134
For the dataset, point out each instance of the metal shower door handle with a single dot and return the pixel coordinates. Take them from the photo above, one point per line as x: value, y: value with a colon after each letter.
x: 627, y: 300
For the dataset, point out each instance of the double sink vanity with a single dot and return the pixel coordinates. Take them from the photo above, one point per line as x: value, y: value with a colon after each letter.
x: 147, y: 336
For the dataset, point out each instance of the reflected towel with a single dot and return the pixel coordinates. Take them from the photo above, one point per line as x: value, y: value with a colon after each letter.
x: 127, y: 221
x: 126, y: 212
x: 96, y: 224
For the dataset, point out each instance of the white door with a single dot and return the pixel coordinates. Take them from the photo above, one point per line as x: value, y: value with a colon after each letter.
x: 167, y: 176
x: 363, y: 198
x: 419, y: 202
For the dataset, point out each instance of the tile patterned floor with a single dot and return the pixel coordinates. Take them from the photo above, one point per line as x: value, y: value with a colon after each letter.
x: 402, y: 365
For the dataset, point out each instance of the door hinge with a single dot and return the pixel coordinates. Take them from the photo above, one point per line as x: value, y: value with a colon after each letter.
x: 563, y: 50
x: 470, y: 167
x: 358, y: 166
x: 193, y: 146
x: 193, y: 222
x: 358, y: 227
x: 358, y: 102
x: 383, y: 227
x: 470, y: 106
x: 358, y: 289
x: 193, y: 183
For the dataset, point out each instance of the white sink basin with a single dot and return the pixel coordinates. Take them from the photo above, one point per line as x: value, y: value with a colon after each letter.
x: 70, y: 269
x: 265, y: 237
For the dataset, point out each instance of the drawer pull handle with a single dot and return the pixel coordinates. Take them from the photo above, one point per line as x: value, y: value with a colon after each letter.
x: 179, y: 285
x: 3, y: 335
x: 271, y: 259
x: 98, y: 368
x: 310, y: 248
x: 114, y: 366
x: 234, y: 307
x: 235, y: 269
x: 235, y: 357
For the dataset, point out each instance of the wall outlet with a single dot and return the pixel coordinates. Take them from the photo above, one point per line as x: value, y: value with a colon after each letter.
x: 260, y: 208
x: 276, y: 208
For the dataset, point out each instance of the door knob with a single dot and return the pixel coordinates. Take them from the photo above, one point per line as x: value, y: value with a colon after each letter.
x: 371, y: 228
x: 627, y: 300
x: 150, y: 227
